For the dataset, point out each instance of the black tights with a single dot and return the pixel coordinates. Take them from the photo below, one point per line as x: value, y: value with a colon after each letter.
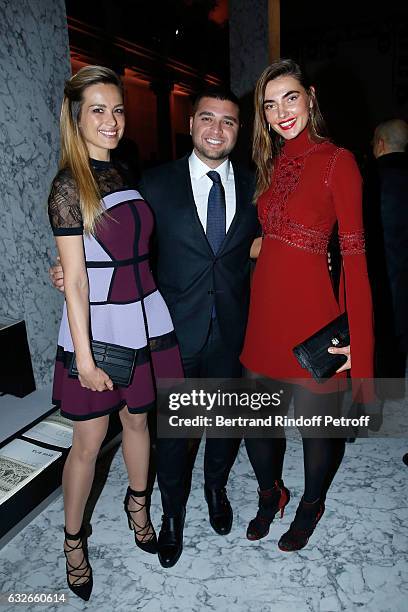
x: 321, y: 456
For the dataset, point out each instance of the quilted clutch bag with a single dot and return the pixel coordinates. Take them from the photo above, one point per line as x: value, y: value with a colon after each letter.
x: 117, y: 361
x: 312, y: 353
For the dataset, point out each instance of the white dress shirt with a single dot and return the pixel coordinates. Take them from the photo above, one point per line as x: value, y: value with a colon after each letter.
x: 201, y: 184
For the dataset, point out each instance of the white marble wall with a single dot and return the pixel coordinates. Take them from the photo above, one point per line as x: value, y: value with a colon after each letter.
x: 249, y: 54
x: 34, y: 62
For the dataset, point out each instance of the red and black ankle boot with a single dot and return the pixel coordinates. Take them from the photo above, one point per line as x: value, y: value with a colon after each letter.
x: 306, y: 518
x: 270, y: 502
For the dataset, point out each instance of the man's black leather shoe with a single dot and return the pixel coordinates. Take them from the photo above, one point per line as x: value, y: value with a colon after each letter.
x: 219, y: 509
x: 170, y: 542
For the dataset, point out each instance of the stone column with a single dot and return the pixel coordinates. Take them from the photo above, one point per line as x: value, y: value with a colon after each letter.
x: 162, y: 90
x: 254, y: 27
x: 254, y: 40
x: 34, y: 62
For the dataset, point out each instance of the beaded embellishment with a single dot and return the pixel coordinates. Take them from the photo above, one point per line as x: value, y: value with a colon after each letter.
x: 352, y: 243
x: 277, y: 224
x: 286, y: 179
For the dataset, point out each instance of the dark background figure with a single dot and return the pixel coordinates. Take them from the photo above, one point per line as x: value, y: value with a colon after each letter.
x: 386, y: 222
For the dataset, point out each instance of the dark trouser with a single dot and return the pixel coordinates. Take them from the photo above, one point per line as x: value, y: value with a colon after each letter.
x: 321, y: 456
x: 215, y: 360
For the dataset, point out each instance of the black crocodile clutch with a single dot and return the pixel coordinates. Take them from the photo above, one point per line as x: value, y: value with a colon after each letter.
x: 312, y: 353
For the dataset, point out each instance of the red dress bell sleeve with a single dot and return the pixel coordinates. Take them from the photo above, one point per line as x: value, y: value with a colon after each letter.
x: 345, y: 184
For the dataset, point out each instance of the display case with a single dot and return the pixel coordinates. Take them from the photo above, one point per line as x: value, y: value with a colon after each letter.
x: 26, y: 425
x: 16, y: 371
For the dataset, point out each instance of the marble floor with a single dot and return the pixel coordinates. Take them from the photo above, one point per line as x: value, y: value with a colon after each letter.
x: 356, y: 560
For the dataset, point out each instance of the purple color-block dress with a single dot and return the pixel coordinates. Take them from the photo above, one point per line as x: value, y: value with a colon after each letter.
x: 125, y: 306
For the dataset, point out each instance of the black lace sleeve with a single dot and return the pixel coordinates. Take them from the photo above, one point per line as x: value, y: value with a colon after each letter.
x: 63, y: 206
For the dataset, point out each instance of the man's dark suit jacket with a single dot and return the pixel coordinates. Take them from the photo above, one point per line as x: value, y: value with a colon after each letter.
x: 386, y: 225
x: 189, y: 275
x: 393, y: 172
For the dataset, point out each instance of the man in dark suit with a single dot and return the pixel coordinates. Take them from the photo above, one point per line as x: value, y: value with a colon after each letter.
x: 386, y: 222
x: 389, y: 148
x: 205, y: 226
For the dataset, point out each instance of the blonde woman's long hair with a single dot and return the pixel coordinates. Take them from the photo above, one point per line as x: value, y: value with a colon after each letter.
x: 74, y: 152
x: 266, y: 144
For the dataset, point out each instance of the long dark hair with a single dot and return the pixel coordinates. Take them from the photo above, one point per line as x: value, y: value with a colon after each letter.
x: 267, y: 145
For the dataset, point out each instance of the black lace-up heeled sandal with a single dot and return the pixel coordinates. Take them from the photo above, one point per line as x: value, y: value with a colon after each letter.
x: 145, y: 536
x: 79, y: 577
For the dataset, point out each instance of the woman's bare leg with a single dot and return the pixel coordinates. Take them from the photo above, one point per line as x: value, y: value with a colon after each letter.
x: 136, y: 454
x: 78, y: 475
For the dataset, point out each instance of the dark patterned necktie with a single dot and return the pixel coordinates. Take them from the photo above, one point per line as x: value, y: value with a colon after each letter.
x: 216, y: 212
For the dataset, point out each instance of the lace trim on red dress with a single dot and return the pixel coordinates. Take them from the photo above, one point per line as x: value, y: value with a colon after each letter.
x: 331, y: 163
x: 302, y: 237
x: 352, y: 243
x: 285, y: 180
x: 275, y: 223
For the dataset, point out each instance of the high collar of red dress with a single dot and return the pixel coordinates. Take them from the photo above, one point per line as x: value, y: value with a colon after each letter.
x: 300, y: 145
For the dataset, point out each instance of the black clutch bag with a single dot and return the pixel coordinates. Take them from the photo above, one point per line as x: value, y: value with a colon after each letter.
x: 117, y: 361
x: 312, y: 353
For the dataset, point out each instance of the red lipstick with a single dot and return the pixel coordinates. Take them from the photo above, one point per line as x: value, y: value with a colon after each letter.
x: 289, y: 123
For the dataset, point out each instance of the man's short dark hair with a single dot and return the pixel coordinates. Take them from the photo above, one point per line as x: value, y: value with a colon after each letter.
x: 217, y: 93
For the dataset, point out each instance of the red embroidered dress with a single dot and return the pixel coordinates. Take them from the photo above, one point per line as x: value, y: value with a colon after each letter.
x: 313, y: 186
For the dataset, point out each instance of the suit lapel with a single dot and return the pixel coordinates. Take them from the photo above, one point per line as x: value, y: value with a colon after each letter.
x: 239, y: 206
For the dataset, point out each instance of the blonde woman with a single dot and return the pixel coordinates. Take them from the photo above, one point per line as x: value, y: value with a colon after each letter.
x: 102, y: 228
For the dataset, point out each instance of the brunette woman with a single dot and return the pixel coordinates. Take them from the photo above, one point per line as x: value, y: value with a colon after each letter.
x: 305, y: 185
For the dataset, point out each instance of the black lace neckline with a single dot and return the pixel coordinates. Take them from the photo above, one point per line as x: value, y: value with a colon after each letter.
x: 98, y: 164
